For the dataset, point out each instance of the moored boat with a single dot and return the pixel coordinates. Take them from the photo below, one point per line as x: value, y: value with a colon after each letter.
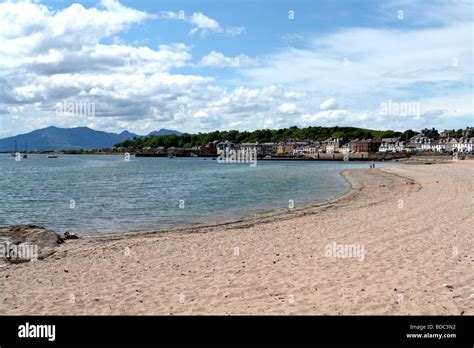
x: 26, y: 150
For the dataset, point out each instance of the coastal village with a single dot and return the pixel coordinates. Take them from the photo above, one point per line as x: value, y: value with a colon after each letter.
x: 427, y: 141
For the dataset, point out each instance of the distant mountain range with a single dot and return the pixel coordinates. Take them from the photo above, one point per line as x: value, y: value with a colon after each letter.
x: 165, y: 132
x: 54, y: 138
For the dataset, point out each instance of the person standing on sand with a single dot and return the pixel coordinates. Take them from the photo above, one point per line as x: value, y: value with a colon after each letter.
x: 372, y: 165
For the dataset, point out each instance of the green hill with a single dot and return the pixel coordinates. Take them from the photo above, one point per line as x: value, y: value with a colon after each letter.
x: 261, y: 135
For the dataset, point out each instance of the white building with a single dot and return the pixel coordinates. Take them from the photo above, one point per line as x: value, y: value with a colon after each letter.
x: 306, y: 150
x: 418, y: 141
x: 438, y: 145
x: 346, y: 148
x: 332, y: 145
x: 464, y: 145
x: 452, y: 144
x: 426, y: 146
x: 392, y: 145
x: 251, y: 148
x: 225, y: 146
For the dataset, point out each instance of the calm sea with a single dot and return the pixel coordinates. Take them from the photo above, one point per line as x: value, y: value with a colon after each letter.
x: 103, y: 194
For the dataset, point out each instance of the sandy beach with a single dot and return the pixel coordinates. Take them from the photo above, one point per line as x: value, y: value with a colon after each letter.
x: 410, y: 226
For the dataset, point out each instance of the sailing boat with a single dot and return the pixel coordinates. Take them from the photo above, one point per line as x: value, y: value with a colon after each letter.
x: 26, y: 150
x: 16, y: 150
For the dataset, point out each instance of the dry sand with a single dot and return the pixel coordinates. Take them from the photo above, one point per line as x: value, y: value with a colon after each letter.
x: 414, y: 222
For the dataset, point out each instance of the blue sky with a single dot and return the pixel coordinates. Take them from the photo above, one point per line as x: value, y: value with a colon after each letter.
x: 204, y: 65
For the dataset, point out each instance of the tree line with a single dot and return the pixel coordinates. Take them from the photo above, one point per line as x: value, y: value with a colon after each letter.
x: 187, y: 140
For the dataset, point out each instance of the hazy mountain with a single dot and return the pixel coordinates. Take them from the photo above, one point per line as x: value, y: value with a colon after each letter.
x: 54, y: 138
x: 164, y: 132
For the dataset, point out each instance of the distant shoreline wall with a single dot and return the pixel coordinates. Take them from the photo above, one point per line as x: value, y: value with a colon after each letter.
x: 358, y: 156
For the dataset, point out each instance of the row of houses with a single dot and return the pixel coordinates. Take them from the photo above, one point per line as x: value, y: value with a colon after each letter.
x: 299, y: 147
x: 428, y: 140
x: 464, y: 145
x: 289, y: 147
x: 295, y: 147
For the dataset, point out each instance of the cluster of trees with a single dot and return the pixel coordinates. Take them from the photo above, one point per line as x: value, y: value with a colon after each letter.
x: 455, y: 133
x: 186, y: 140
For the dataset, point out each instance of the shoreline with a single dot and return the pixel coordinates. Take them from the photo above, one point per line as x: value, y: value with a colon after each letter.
x: 246, y: 220
x: 269, y: 214
x: 250, y: 220
x: 427, y: 158
x: 277, y: 265
x: 253, y: 220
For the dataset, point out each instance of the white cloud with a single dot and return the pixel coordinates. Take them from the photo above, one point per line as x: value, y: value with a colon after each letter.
x: 102, y: 58
x: 203, y: 25
x: 49, y: 56
x: 326, y: 117
x: 37, y: 40
x: 204, y: 22
x: 27, y: 28
x: 366, y: 66
x: 58, y: 55
x: 234, y: 31
x: 245, y: 108
x: 330, y: 103
x: 218, y: 60
x: 292, y: 37
x: 361, y: 60
x: 288, y: 108
x: 427, y: 13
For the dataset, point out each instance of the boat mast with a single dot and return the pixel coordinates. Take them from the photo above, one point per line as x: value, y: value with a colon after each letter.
x: 26, y: 150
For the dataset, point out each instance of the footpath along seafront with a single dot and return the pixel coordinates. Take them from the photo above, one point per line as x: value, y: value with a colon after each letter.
x: 399, y: 242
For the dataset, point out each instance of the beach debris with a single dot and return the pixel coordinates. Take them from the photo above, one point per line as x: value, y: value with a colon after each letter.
x: 70, y: 235
x: 449, y: 286
x: 25, y: 243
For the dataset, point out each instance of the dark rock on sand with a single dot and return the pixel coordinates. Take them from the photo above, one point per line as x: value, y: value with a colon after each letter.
x: 70, y: 235
x: 23, y: 243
